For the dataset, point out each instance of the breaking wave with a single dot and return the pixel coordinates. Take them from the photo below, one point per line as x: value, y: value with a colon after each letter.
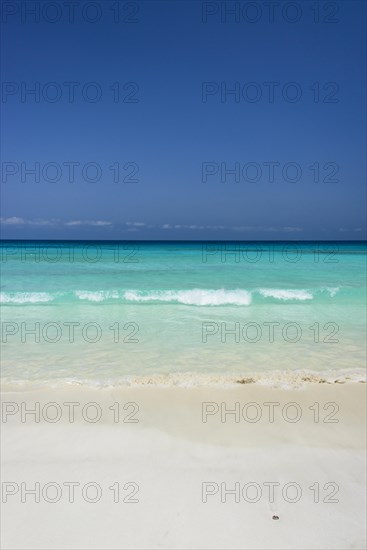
x: 192, y: 297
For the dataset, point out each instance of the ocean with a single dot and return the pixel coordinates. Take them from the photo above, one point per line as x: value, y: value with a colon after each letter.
x: 108, y: 313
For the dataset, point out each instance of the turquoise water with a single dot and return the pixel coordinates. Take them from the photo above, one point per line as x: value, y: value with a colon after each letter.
x: 100, y: 312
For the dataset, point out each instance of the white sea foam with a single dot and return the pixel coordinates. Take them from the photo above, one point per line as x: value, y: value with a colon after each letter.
x: 96, y: 295
x: 333, y: 291
x: 195, y: 297
x: 282, y: 294
x: 25, y: 297
x: 286, y: 380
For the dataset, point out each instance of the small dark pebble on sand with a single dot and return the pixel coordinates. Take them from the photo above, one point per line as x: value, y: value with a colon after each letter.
x: 275, y: 517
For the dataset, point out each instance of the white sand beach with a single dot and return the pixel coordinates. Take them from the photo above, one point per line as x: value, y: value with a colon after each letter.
x: 173, y: 469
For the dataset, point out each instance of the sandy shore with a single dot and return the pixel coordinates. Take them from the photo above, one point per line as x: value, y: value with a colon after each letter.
x: 185, y: 471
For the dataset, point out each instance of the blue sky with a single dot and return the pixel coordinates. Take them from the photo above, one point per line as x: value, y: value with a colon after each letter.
x: 218, y: 127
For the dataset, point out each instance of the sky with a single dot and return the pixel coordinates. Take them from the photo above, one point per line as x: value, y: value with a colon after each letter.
x: 183, y: 120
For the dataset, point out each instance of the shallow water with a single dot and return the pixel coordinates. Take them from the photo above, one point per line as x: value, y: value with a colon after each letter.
x: 98, y: 312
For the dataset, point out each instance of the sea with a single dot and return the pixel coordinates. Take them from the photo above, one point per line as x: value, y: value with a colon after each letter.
x: 107, y: 313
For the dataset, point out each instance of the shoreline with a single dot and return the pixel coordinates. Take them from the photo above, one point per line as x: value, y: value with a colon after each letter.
x: 284, y: 379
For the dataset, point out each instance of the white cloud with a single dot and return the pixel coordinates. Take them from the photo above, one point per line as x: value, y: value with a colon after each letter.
x: 135, y: 224
x: 41, y: 222
x: 266, y: 229
x: 53, y: 222
x: 192, y: 226
x: 21, y: 221
x: 75, y: 222
x: 101, y: 223
x: 93, y: 223
x: 12, y: 221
